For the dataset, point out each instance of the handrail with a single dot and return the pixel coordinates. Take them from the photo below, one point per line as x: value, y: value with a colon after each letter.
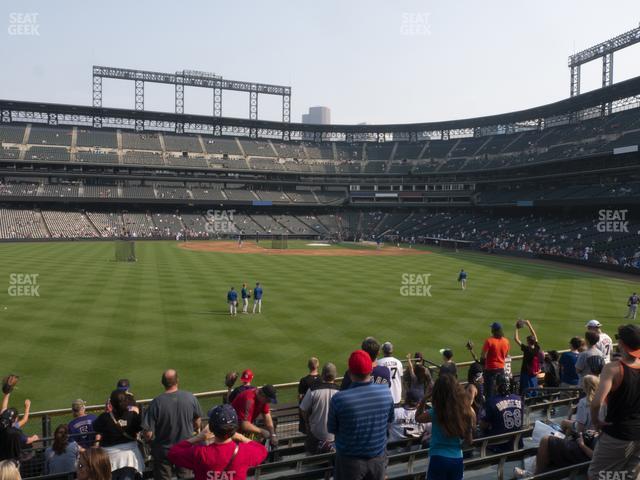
x: 143, y: 402
x: 210, y: 394
x: 219, y: 393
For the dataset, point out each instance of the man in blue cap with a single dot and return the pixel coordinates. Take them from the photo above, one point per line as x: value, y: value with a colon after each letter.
x: 124, y: 385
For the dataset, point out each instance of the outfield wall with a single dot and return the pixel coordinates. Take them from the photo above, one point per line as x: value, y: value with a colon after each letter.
x: 567, y: 260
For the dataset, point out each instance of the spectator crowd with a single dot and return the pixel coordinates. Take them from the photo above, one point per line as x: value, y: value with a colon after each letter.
x: 378, y: 403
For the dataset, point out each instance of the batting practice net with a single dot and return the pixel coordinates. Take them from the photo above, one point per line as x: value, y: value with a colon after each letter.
x: 280, y: 241
x: 125, y: 251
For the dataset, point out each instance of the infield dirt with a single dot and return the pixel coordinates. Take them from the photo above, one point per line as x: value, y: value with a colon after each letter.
x: 251, y: 247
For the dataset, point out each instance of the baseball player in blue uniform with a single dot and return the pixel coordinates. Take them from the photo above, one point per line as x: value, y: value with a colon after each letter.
x: 462, y: 278
x: 244, y: 293
x: 232, y: 300
x: 257, y: 298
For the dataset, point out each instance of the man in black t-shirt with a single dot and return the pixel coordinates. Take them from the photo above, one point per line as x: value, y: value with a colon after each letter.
x: 305, y: 384
x: 308, y: 380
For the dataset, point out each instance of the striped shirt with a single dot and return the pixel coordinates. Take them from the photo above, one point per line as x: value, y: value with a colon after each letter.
x: 359, y: 417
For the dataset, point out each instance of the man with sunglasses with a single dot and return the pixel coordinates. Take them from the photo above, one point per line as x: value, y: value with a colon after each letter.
x: 618, y: 447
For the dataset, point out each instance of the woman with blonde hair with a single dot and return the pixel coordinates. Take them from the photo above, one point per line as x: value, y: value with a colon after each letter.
x: 582, y: 419
x: 9, y: 471
x: 577, y: 446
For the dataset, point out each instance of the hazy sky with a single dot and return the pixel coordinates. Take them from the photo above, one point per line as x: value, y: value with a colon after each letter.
x: 375, y: 61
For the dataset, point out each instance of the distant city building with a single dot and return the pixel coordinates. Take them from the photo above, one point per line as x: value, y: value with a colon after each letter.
x: 317, y: 116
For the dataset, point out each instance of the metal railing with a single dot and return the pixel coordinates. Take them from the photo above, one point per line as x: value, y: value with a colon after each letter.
x: 217, y: 394
x: 289, y: 387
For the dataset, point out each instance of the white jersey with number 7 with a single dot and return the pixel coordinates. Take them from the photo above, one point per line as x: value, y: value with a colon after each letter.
x: 395, y: 367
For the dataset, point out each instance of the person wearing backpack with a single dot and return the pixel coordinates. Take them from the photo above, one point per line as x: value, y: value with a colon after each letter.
x: 218, y: 451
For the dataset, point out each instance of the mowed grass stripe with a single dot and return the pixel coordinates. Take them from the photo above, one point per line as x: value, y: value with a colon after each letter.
x: 98, y: 320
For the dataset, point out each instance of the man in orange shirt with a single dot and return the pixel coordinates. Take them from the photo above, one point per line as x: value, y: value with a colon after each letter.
x: 494, y: 354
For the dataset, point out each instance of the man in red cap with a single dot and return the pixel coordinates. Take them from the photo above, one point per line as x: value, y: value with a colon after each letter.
x: 359, y: 418
x: 246, y: 378
x: 618, y: 447
x: 379, y: 373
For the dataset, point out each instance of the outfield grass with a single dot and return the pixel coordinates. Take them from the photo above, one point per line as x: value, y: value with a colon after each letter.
x: 96, y: 320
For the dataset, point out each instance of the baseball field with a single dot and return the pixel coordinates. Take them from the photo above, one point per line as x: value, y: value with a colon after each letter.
x: 74, y: 320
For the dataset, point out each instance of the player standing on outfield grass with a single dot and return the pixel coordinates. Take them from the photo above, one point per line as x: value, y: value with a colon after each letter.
x: 257, y: 298
x: 232, y: 300
x: 462, y: 278
x: 244, y: 293
x: 632, y: 303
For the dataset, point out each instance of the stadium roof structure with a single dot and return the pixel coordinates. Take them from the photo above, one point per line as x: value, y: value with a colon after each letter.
x: 620, y: 96
x: 190, y: 78
x: 604, y: 50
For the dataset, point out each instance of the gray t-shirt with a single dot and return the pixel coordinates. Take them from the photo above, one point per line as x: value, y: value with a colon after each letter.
x: 170, y: 417
x: 583, y: 364
x: 316, y: 403
x: 64, y: 463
